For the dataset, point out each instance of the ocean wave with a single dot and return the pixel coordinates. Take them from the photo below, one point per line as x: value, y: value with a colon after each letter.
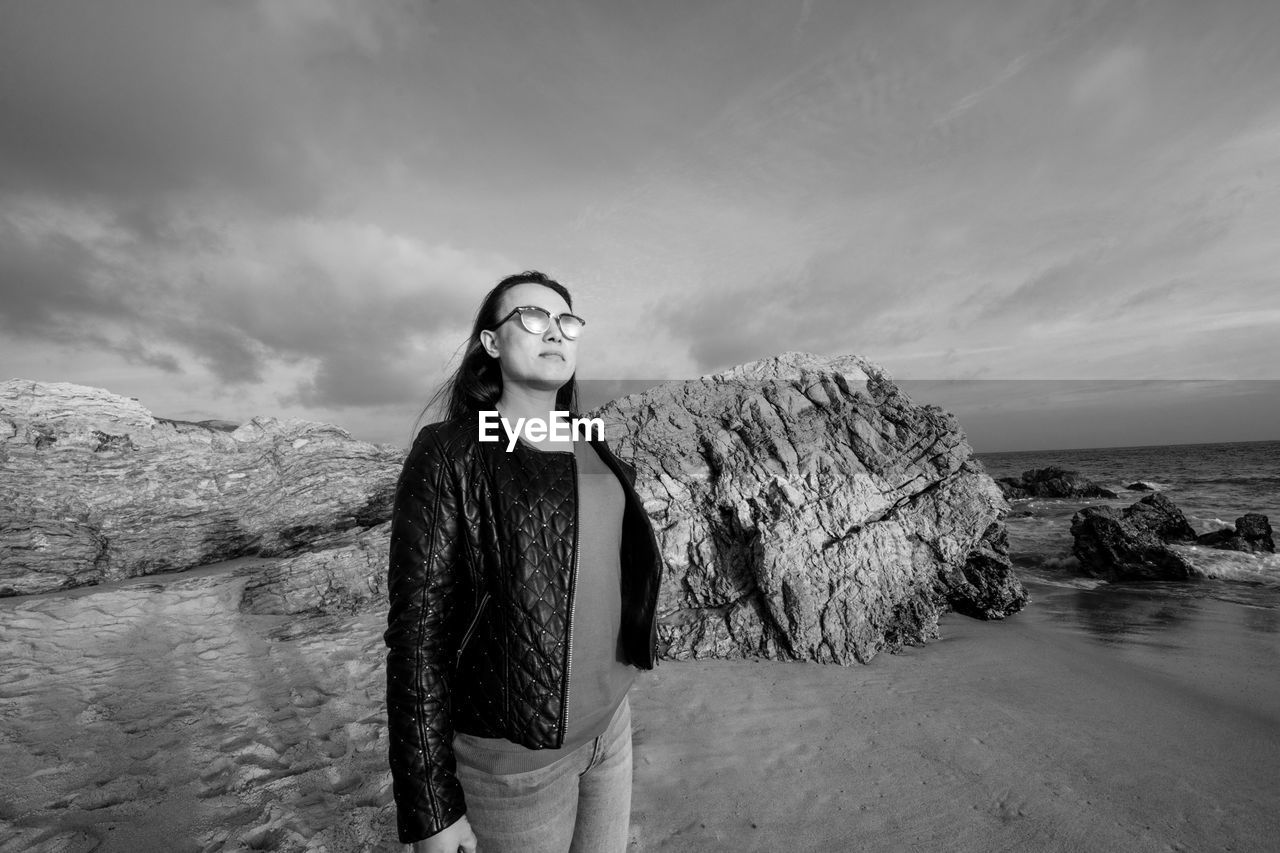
x: 1235, y: 481
x: 1061, y: 570
x: 1233, y: 565
x: 1065, y: 562
x: 1060, y: 580
x: 1208, y: 524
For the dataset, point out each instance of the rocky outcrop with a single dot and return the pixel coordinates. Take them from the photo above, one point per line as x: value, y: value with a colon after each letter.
x: 809, y: 510
x: 347, y: 578
x: 1252, y: 533
x: 805, y: 507
x: 1142, y: 486
x: 1133, y: 543
x: 93, y: 487
x: 984, y: 587
x: 1052, y: 482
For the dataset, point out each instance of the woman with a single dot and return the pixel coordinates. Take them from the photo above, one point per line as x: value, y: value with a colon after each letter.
x: 523, y: 584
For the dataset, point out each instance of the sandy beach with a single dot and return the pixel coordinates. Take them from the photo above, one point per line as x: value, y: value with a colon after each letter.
x: 1151, y: 730
x: 152, y: 715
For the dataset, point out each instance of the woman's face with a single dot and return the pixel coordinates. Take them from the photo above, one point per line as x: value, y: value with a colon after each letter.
x: 544, y: 361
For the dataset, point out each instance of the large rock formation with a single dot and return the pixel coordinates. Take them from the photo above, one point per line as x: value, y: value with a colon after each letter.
x: 94, y: 488
x: 807, y: 509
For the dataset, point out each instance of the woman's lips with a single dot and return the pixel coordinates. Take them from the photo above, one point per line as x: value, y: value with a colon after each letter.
x: 553, y: 355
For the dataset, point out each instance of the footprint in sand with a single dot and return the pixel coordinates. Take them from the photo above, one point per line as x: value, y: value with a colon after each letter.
x: 259, y: 754
x: 235, y: 742
x: 339, y: 781
x: 1009, y: 808
x: 363, y: 735
x: 332, y: 745
x: 376, y: 796
x: 216, y: 778
x: 113, y: 793
x: 252, y: 762
x: 307, y: 697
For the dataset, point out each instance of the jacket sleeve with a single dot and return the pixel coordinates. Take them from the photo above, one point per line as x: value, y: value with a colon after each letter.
x: 425, y: 574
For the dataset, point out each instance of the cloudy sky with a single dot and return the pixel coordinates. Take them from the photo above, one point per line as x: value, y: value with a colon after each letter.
x: 292, y: 207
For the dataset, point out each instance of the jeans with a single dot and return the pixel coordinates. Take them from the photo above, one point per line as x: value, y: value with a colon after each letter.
x: 579, y: 804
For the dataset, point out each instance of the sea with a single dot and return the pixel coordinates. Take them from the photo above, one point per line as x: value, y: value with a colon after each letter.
x: 1213, y: 485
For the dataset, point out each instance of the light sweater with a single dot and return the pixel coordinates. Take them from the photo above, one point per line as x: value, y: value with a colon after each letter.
x: 598, y: 679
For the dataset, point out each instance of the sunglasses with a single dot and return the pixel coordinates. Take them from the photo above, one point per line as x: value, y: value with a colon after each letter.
x: 537, y: 320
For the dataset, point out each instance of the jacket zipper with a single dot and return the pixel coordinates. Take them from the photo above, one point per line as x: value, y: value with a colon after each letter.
x: 653, y: 633
x: 573, y: 602
x: 475, y: 620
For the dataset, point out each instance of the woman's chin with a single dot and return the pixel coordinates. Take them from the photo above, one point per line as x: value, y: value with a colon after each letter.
x: 544, y: 374
x: 550, y: 382
x: 556, y: 371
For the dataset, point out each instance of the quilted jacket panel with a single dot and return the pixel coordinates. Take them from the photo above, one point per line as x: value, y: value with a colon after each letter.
x: 481, y: 578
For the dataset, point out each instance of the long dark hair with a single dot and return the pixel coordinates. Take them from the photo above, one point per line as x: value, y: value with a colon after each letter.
x: 477, y: 383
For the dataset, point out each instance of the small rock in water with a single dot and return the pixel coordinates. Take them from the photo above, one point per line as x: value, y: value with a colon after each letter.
x: 1132, y: 544
x: 1252, y: 534
x: 1052, y: 482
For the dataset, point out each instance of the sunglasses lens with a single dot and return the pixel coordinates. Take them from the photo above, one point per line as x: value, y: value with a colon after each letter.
x: 535, y: 320
x: 570, y: 325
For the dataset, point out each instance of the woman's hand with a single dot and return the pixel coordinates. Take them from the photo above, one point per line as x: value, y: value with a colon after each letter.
x: 448, y: 840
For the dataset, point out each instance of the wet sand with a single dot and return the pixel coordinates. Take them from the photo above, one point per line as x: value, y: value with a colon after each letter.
x: 1080, y: 724
x: 152, y: 715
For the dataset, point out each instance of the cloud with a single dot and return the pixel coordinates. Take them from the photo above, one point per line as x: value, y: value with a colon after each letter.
x: 305, y: 199
x: 360, y: 377
x: 1061, y: 290
x: 140, y: 101
x: 159, y: 107
x: 972, y: 99
x: 834, y: 303
x: 134, y: 351
x: 369, y: 307
x: 1114, y: 76
x: 1158, y: 293
x: 364, y: 305
x: 46, y: 278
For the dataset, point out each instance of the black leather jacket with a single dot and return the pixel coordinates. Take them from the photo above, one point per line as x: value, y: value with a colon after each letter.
x: 481, y: 586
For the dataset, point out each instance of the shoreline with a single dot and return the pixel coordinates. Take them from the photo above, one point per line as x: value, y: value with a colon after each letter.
x: 1027, y: 734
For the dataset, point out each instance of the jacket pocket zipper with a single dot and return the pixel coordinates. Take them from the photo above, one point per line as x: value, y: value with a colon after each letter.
x: 475, y: 620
